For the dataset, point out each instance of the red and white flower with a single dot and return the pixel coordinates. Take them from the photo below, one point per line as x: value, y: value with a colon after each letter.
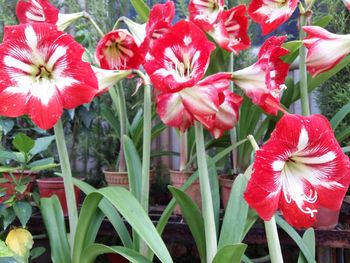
x: 42, y: 72
x: 228, y: 113
x: 200, y: 102
x: 263, y: 81
x: 117, y: 50
x: 347, y: 3
x: 300, y: 168
x: 231, y: 32
x: 180, y: 58
x: 270, y: 14
x: 205, y: 13
x: 42, y: 11
x: 159, y: 23
x: 320, y: 57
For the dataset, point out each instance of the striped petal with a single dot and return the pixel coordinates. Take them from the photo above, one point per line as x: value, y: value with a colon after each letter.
x: 347, y: 4
x: 205, y: 13
x: 270, y: 14
x: 36, y: 11
x: 302, y: 166
x: 320, y: 57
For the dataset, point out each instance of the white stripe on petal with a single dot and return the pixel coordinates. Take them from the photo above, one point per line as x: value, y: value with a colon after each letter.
x: 303, y: 140
x: 31, y: 38
x: 57, y: 54
x: 15, y: 63
x: 330, y: 156
x: 277, y: 166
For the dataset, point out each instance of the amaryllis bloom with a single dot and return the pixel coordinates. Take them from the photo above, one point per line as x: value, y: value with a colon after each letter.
x: 117, y: 50
x: 42, y: 72
x: 42, y: 11
x: 228, y: 113
x: 325, y: 49
x: 263, y: 81
x: 300, y: 168
x: 200, y: 102
x: 270, y: 14
x: 231, y: 32
x: 180, y: 58
x: 347, y: 3
x: 159, y: 23
x: 205, y: 13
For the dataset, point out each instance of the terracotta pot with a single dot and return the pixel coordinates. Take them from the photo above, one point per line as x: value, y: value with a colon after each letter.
x: 122, y: 179
x: 116, y: 258
x: 178, y: 178
x: 326, y: 218
x: 10, y: 185
x: 54, y: 186
x: 226, y: 182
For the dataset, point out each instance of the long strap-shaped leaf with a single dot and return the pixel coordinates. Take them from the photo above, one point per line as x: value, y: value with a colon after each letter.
x: 54, y: 221
x: 231, y: 253
x: 309, y: 240
x: 340, y: 115
x: 110, y: 212
x: 194, y: 219
x: 141, y: 8
x: 94, y: 250
x: 133, y: 213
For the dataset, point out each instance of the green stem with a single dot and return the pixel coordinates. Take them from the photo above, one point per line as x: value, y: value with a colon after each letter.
x: 183, y: 150
x: 98, y: 29
x: 304, y: 93
x: 233, y: 131
x: 207, y: 202
x: 67, y: 179
x: 270, y: 226
x: 123, y: 125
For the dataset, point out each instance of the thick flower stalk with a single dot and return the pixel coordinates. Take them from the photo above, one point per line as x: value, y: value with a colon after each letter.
x: 42, y: 72
x: 263, y: 81
x: 270, y: 14
x: 300, y: 168
x: 320, y: 57
x: 205, y: 13
x: 42, y: 11
x: 231, y: 30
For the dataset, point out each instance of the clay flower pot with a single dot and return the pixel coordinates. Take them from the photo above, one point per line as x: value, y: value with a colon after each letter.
x: 10, y: 185
x: 178, y: 178
x: 54, y: 186
x: 226, y: 182
x: 121, y: 178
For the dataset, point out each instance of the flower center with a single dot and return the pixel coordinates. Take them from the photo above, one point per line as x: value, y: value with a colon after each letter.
x: 281, y: 3
x: 43, y: 73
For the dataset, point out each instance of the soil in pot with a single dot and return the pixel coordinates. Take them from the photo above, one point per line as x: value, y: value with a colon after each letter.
x: 226, y: 182
x: 54, y: 186
x: 178, y: 178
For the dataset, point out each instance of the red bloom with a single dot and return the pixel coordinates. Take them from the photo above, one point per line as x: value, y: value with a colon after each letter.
x: 231, y: 32
x: 270, y: 14
x: 320, y: 57
x: 179, y: 59
x: 200, y: 102
x: 347, y: 3
x: 228, y: 113
x: 300, y: 168
x: 33, y: 11
x: 205, y: 13
x: 264, y: 80
x: 42, y: 72
x: 117, y: 50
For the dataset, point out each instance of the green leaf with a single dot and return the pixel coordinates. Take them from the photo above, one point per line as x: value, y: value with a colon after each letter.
x: 309, y: 240
x: 298, y: 240
x: 293, y: 47
x: 340, y: 115
x: 215, y: 190
x: 194, y: 219
x: 231, y: 253
x: 5, y: 169
x: 8, y: 217
x: 346, y: 149
x: 142, y: 9
x: 37, y: 252
x: 23, y: 143
x: 42, y: 144
x: 5, y: 251
x: 5, y: 156
x: 236, y: 213
x: 21, y: 188
x: 109, y: 211
x: 110, y: 117
x: 37, y: 168
x: 23, y: 211
x: 8, y: 260
x: 94, y: 250
x: 6, y: 125
x: 343, y: 134
x: 133, y: 164
x: 55, y: 226
x: 133, y: 213
x: 323, y: 21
